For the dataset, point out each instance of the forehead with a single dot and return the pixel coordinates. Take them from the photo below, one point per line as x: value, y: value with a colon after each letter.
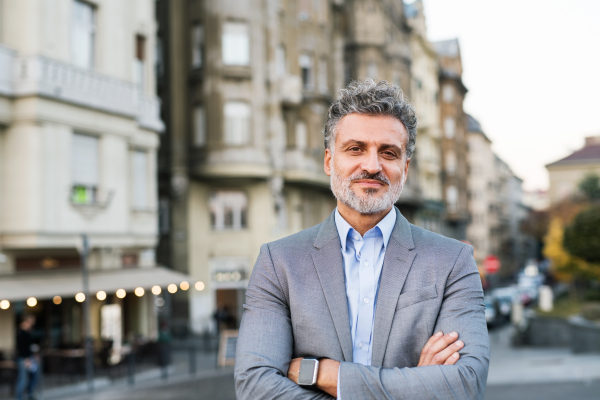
x: 375, y: 129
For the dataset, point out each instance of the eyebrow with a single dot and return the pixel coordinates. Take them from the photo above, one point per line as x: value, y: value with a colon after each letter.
x: 384, y: 146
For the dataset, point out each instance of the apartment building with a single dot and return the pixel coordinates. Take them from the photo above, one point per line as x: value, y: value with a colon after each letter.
x: 566, y: 173
x: 79, y: 132
x: 454, y: 141
x: 246, y: 87
x: 425, y: 97
x: 482, y: 190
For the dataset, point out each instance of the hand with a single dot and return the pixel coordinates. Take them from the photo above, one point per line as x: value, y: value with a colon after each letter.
x: 294, y: 370
x: 441, y: 349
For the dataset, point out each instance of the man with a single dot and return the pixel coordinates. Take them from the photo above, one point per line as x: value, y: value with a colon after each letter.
x: 364, y: 291
x: 27, y: 362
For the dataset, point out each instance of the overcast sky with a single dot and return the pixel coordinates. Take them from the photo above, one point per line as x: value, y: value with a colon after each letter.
x: 532, y: 68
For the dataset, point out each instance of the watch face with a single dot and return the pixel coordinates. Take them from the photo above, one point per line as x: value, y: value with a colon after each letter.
x: 307, y: 375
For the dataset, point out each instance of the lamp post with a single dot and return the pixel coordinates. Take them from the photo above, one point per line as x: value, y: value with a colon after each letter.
x: 89, y: 350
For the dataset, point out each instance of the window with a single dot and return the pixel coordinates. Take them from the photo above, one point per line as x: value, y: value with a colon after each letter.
x: 452, y: 199
x: 372, y: 70
x: 164, y: 222
x: 323, y: 71
x: 83, y: 31
x: 301, y: 135
x: 450, y: 162
x: 236, y: 44
x: 306, y: 68
x: 197, y: 45
x: 139, y: 169
x: 138, y: 62
x: 304, y: 10
x: 199, y: 126
x: 449, y: 127
x: 159, y: 61
x: 84, y: 169
x: 448, y: 93
x: 237, y: 122
x: 280, y: 61
x: 396, y: 78
x: 228, y: 209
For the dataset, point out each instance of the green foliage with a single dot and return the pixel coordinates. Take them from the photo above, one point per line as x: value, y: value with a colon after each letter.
x: 590, y: 186
x: 582, y: 236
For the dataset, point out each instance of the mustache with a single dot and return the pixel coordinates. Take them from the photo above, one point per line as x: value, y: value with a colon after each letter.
x: 376, y: 177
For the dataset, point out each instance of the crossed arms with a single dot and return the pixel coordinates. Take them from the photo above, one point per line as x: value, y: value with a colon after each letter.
x: 265, y: 347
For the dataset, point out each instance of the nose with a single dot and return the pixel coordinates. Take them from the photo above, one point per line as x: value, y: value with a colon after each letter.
x: 371, y: 162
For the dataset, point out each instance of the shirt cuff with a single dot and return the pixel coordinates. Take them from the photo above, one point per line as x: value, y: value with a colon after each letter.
x: 338, y: 384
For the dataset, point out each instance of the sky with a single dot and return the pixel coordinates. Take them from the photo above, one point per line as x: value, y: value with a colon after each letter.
x: 532, y: 68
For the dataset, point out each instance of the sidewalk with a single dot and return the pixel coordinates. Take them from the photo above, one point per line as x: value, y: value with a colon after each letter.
x: 178, y: 371
x: 528, y: 365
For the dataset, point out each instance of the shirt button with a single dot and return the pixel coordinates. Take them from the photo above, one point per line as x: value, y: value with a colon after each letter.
x: 360, y: 345
x: 366, y: 300
x: 366, y: 263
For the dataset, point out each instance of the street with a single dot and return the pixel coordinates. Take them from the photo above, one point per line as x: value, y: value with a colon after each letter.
x: 515, y: 373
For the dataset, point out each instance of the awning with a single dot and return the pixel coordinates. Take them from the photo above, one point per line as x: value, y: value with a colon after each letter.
x: 47, y: 284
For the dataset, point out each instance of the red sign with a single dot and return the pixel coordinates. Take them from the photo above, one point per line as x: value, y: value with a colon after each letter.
x: 491, y: 264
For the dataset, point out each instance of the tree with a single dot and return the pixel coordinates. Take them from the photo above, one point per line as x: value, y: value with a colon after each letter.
x: 582, y: 236
x: 590, y: 186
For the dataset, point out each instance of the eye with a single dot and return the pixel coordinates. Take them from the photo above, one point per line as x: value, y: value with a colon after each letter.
x: 354, y: 148
x: 389, y: 154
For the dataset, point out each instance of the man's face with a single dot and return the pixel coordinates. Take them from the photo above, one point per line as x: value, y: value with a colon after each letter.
x: 369, y: 165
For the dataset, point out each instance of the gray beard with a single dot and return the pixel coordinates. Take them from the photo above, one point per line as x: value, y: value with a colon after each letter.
x: 368, y: 204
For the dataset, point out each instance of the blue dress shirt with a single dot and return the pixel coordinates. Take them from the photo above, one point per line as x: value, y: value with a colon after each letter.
x: 363, y: 259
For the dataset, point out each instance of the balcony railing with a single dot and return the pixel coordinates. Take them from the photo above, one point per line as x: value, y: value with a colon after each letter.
x: 42, y: 76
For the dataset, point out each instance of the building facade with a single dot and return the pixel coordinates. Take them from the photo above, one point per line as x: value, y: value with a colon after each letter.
x: 425, y: 97
x: 453, y: 121
x: 566, y: 173
x: 79, y: 133
x: 482, y: 193
x: 246, y: 87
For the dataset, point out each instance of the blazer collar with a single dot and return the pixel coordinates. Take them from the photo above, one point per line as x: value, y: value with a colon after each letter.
x: 401, y: 232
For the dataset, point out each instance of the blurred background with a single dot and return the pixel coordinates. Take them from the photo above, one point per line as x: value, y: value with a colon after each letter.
x: 149, y: 147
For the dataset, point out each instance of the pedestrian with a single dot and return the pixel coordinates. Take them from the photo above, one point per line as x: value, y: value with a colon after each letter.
x: 364, y: 305
x: 28, y: 363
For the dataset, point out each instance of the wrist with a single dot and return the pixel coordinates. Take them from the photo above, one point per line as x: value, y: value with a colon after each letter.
x: 327, y: 376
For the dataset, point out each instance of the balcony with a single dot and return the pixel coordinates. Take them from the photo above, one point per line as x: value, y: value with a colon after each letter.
x: 45, y: 77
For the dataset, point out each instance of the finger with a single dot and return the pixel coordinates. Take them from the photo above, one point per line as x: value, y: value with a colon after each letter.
x: 443, y: 343
x: 452, y: 359
x: 441, y: 357
x: 431, y: 341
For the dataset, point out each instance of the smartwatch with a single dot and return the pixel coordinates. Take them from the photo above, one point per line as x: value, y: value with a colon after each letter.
x: 309, y: 367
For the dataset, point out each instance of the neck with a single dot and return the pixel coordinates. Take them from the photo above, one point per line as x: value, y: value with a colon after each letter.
x: 360, y: 222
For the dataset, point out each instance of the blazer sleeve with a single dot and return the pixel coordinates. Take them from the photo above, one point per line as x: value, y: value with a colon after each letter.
x: 463, y: 311
x: 265, y: 340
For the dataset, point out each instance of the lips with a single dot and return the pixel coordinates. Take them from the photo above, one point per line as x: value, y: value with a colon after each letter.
x: 371, y: 183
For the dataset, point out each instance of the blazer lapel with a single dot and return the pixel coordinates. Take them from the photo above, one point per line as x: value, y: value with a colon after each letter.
x: 399, y: 256
x: 329, y: 265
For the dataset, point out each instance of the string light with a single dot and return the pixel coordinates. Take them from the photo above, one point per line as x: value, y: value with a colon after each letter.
x: 121, y: 293
x: 199, y: 286
x: 80, y: 297
x: 139, y: 291
x: 101, y: 295
x: 31, y: 302
x: 57, y: 300
x: 156, y: 290
x: 172, y: 288
x: 184, y: 285
x: 4, y: 304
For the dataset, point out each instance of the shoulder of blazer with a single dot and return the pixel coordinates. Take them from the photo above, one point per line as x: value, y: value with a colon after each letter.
x: 428, y: 241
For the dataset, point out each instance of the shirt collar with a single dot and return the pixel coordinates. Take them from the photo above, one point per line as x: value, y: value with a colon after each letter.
x: 386, y: 226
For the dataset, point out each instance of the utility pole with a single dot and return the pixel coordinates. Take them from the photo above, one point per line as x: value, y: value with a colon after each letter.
x: 89, y: 349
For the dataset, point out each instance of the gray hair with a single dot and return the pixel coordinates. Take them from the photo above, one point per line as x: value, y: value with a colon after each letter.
x: 370, y: 98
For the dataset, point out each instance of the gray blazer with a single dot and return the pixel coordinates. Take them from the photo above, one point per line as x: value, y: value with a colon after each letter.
x: 296, y: 306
